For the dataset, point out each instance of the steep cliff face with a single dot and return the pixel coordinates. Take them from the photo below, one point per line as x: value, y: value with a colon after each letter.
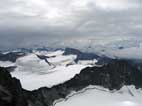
x: 112, y: 76
x: 11, y: 93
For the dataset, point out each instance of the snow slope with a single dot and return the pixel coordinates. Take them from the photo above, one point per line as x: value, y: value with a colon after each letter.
x: 34, y: 72
x: 31, y: 81
x: 6, y: 64
x: 102, y: 97
x: 49, y: 53
x: 32, y: 63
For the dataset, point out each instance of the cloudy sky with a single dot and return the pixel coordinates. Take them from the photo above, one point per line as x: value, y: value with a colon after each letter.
x: 25, y: 23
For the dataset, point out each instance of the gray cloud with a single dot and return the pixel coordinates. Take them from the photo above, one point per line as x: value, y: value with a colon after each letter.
x: 63, y: 22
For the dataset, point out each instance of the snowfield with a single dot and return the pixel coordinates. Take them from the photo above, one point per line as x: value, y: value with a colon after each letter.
x: 98, y: 96
x: 48, y: 68
x: 34, y: 72
x: 87, y: 62
x: 6, y: 64
x: 32, y: 63
x: 32, y: 81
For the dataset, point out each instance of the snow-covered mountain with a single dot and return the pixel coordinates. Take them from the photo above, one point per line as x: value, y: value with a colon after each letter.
x: 55, y: 82
x: 42, y: 67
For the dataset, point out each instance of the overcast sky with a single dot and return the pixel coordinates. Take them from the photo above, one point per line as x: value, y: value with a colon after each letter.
x: 62, y: 22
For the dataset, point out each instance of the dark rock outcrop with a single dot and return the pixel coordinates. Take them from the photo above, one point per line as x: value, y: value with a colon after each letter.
x: 80, y: 55
x: 87, y: 56
x: 11, y: 92
x: 11, y: 56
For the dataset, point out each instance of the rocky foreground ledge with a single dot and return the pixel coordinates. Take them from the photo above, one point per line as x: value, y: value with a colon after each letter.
x: 11, y: 92
x: 112, y: 76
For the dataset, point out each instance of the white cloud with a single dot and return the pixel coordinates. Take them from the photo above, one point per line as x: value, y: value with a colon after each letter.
x: 56, y: 10
x: 60, y: 19
x: 116, y: 4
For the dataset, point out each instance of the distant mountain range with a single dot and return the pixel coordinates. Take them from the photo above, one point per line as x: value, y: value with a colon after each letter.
x: 48, y: 75
x: 15, y: 54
